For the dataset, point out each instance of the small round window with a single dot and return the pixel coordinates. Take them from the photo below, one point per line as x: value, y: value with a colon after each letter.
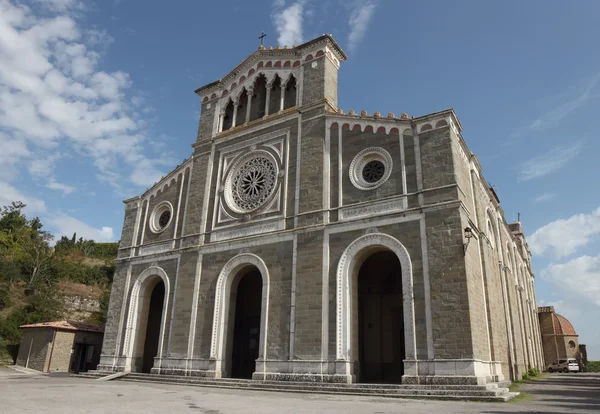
x: 370, y: 168
x: 161, y: 217
x: 572, y: 344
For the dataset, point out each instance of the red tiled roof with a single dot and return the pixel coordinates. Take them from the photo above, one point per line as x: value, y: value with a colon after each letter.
x: 66, y: 326
x: 562, y: 326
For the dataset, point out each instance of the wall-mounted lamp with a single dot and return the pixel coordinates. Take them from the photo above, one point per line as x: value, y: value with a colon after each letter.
x: 468, y: 236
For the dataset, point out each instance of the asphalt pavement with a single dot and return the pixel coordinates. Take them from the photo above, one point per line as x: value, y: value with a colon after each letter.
x: 29, y: 392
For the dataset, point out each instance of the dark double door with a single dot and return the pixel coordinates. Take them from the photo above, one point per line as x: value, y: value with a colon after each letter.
x: 246, y: 335
x: 381, y: 320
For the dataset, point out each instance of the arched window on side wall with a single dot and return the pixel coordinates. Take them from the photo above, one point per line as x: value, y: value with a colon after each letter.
x: 228, y: 117
x: 241, y: 110
x: 259, y: 98
x: 290, y: 93
x: 275, y: 98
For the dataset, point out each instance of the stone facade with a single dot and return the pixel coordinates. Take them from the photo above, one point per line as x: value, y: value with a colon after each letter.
x: 58, y: 346
x: 304, y: 194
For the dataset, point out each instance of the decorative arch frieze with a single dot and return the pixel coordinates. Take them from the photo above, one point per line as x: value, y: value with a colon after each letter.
x: 222, y: 297
x: 139, y: 288
x: 363, y: 124
x: 348, y: 264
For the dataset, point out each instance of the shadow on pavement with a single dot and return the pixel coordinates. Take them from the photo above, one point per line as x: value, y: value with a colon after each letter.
x: 563, y: 393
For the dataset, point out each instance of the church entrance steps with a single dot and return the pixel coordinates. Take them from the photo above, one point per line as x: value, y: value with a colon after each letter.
x: 487, y: 392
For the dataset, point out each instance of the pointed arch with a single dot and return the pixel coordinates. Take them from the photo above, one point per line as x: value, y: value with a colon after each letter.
x: 259, y: 98
x: 275, y: 97
x: 228, y: 115
x: 290, y: 93
x: 240, y: 117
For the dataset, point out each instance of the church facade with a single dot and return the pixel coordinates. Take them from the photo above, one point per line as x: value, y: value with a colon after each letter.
x: 300, y: 242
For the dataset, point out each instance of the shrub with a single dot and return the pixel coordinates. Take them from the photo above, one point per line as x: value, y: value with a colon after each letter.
x: 533, y: 372
x: 593, y: 366
x: 4, y: 297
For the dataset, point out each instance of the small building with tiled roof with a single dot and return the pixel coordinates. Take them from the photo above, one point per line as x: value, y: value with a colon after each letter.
x: 559, y: 339
x: 60, y: 346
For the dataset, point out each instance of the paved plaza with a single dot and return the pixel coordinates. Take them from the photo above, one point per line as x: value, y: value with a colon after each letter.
x: 33, y: 393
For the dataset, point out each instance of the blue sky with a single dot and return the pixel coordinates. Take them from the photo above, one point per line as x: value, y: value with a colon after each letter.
x: 97, y: 102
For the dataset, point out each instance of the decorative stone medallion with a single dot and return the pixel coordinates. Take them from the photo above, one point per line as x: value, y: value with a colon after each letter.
x: 161, y: 217
x: 370, y: 168
x: 251, y: 182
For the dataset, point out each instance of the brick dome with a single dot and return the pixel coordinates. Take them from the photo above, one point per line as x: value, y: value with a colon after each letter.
x: 562, y: 326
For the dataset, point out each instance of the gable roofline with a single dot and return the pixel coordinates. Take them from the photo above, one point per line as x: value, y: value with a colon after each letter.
x: 262, y: 52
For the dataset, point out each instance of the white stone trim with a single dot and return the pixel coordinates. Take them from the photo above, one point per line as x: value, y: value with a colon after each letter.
x: 372, y: 209
x: 325, y: 299
x: 340, y: 169
x: 194, y: 311
x: 187, y: 198
x: 205, y: 200
x: 133, y: 317
x: 427, y: 288
x: 326, y: 173
x: 118, y: 345
x: 402, y: 163
x: 298, y: 165
x: 347, y: 265
x: 293, y: 298
x: 268, y: 225
x: 222, y: 298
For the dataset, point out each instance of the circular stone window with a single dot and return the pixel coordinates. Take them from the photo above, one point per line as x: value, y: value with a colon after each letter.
x: 370, y: 168
x: 161, y: 217
x: 251, y: 182
x: 572, y: 344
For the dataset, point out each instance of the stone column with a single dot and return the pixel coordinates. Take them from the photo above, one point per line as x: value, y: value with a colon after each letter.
x: 269, y: 85
x: 221, y: 119
x: 235, y: 109
x: 282, y: 98
x: 249, y: 93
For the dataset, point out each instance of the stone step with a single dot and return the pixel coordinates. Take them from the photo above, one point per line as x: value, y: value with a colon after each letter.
x: 489, y: 392
x: 492, y: 386
x: 431, y: 394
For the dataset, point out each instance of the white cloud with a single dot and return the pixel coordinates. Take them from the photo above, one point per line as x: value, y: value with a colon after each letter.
x: 8, y: 194
x: 66, y: 225
x: 55, y: 185
x: 580, y: 276
x: 556, y: 114
x: 549, y: 162
x: 288, y: 22
x: 54, y: 99
x: 360, y: 17
x: 544, y: 197
x: 562, y: 237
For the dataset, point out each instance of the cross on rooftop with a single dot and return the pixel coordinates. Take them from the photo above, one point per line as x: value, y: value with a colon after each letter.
x: 261, y: 37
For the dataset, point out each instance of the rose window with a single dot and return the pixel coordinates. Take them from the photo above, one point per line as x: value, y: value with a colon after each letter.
x: 161, y: 217
x: 373, y: 171
x: 370, y: 168
x: 251, y: 182
x: 164, y: 219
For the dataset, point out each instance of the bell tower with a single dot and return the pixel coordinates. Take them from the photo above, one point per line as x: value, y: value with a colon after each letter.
x: 270, y: 82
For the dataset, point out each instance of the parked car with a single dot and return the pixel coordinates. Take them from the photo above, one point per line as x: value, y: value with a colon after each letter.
x: 564, y: 365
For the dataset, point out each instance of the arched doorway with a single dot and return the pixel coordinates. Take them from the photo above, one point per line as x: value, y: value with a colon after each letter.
x: 348, y: 348
x: 244, y: 312
x: 381, y: 350
x: 242, y: 308
x: 153, y: 325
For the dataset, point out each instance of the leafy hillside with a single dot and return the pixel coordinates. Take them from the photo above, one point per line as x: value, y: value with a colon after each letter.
x: 40, y: 282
